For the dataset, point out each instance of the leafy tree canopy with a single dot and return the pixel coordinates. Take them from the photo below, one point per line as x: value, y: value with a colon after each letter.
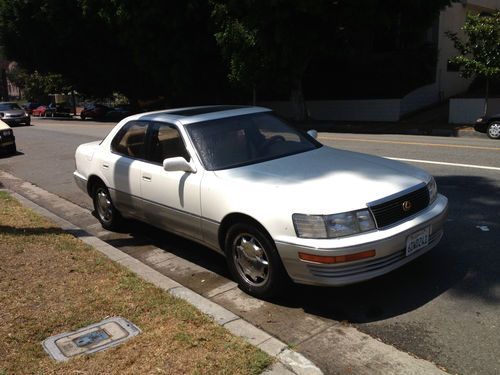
x: 276, y: 40
x: 479, y: 50
x: 36, y: 86
x: 143, y: 48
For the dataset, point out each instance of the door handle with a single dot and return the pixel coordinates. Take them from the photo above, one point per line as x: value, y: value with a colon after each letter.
x: 105, y: 166
x: 146, y: 178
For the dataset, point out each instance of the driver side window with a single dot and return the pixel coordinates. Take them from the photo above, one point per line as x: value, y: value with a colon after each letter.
x: 166, y: 142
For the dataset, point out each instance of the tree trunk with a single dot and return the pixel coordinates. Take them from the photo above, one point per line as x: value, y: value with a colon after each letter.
x: 486, y: 96
x: 298, y: 102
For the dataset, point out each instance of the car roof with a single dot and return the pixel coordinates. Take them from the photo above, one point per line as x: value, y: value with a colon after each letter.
x: 191, y: 115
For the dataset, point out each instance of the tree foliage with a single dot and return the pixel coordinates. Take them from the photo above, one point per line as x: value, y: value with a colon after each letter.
x: 276, y: 40
x: 479, y: 50
x: 142, y: 48
x: 36, y: 86
x: 187, y: 50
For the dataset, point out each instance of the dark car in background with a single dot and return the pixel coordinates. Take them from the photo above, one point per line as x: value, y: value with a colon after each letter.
x: 12, y: 114
x: 30, y: 106
x: 52, y: 110
x: 121, y: 111
x: 94, y: 111
x: 489, y: 125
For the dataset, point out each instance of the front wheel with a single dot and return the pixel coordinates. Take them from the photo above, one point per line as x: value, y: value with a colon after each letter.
x: 493, y: 130
x: 254, y: 262
x: 107, y: 214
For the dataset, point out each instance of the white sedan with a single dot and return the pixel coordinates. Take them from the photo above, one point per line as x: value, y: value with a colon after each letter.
x: 277, y: 203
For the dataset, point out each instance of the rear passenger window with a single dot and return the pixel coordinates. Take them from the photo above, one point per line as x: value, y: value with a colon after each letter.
x: 166, y: 142
x: 131, y: 140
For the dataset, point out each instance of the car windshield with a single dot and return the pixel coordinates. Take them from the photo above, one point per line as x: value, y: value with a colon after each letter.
x: 7, y: 106
x: 241, y: 140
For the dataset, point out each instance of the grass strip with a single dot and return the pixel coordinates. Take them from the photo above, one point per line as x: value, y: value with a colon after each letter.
x: 51, y: 282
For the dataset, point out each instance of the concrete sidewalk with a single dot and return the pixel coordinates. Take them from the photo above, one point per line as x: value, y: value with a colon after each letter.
x: 441, y: 130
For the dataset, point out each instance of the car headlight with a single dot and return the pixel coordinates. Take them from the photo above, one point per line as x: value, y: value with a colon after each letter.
x: 433, y: 190
x: 6, y: 133
x: 26, y: 114
x: 333, y: 226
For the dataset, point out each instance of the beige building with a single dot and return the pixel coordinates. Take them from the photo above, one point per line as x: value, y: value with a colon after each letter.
x: 449, y: 83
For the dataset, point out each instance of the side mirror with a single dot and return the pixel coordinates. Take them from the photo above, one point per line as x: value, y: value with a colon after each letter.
x: 313, y: 133
x: 178, y: 164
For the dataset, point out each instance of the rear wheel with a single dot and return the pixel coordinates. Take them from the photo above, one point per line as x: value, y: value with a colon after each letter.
x: 493, y: 130
x: 254, y: 262
x: 107, y: 214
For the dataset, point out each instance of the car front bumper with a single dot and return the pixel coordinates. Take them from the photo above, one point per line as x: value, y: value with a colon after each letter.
x: 389, y: 245
x: 81, y: 181
x: 12, y: 121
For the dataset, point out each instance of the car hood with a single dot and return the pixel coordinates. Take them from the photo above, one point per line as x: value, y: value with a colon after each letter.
x: 3, y: 125
x: 324, y: 179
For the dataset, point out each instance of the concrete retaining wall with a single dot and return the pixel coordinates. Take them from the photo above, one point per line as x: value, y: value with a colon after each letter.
x: 467, y: 110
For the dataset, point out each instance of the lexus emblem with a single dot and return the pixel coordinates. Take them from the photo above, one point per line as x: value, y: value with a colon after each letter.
x: 406, y: 206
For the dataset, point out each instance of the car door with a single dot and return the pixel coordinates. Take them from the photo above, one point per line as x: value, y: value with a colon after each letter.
x: 123, y: 165
x: 171, y: 199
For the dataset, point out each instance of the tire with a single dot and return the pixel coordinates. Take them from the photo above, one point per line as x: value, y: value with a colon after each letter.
x: 82, y: 117
x: 108, y: 215
x: 493, y: 130
x: 254, y: 261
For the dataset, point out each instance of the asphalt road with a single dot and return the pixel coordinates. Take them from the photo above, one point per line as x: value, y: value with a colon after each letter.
x: 444, y: 307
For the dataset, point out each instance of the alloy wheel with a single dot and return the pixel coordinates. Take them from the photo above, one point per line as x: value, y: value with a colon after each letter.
x: 104, y: 205
x: 251, y: 259
x: 494, y: 130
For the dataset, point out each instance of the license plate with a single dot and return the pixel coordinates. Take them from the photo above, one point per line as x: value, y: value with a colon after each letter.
x: 417, y: 240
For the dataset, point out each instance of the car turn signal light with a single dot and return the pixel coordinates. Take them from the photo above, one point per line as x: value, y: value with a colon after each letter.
x: 336, y: 259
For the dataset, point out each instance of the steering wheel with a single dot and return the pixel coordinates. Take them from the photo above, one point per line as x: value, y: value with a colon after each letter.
x: 270, y: 141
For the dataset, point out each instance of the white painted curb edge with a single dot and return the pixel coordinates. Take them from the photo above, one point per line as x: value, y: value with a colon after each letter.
x: 293, y: 361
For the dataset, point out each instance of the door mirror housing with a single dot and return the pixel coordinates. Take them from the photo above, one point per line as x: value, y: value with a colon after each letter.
x: 178, y: 164
x: 313, y: 133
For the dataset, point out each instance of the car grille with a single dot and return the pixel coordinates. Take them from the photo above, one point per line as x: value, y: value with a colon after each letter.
x: 365, y: 266
x: 13, y: 115
x: 392, y: 210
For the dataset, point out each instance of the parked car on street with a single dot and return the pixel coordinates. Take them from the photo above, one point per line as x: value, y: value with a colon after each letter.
x: 94, y: 111
x: 7, y: 139
x: 41, y: 111
x: 13, y: 114
x: 276, y: 202
x: 489, y: 125
x: 120, y: 112
x: 30, y: 106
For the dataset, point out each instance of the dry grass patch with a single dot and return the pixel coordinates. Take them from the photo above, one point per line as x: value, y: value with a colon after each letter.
x: 51, y: 283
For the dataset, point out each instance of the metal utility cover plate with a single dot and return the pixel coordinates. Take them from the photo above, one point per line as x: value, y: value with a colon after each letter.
x: 94, y: 338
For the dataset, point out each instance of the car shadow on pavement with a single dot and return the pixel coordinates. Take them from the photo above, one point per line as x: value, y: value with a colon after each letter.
x: 464, y: 264
x: 17, y: 153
